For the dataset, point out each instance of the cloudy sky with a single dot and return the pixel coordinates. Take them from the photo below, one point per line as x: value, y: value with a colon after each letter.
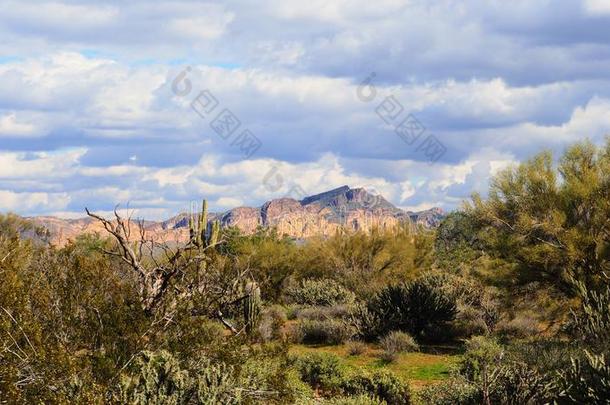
x: 139, y: 102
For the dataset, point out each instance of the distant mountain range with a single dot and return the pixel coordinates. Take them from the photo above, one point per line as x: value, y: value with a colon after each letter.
x: 317, y: 215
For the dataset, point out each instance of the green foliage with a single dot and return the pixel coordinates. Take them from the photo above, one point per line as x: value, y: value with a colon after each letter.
x: 482, y: 354
x: 587, y: 380
x: 455, y: 390
x: 591, y: 322
x: 324, y: 371
x: 395, y: 343
x: 355, y: 400
x: 269, y: 258
x: 271, y: 323
x: 355, y: 347
x: 320, y: 370
x: 324, y: 292
x: 155, y: 378
x: 551, y: 221
x: 363, y: 262
x: 381, y: 384
x: 457, y: 240
x: 328, y: 331
x: 418, y: 308
x: 271, y: 378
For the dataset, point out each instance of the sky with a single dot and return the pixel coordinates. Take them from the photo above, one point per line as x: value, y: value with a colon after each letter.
x: 154, y: 105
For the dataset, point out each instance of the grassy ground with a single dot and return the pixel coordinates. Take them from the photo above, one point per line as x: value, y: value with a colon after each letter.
x: 419, y: 369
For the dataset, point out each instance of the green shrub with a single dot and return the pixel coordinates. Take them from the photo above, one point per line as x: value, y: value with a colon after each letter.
x: 331, y: 332
x: 215, y: 384
x: 271, y: 323
x: 324, y: 292
x: 292, y: 310
x: 155, y: 377
x: 470, y: 321
x: 399, y: 342
x: 418, y: 308
x: 587, y: 380
x: 269, y: 378
x: 518, y: 383
x: 355, y: 347
x: 381, y: 384
x: 395, y: 343
x: 453, y: 391
x: 482, y: 355
x: 518, y: 328
x: 320, y: 313
x: 320, y: 370
x: 357, y: 400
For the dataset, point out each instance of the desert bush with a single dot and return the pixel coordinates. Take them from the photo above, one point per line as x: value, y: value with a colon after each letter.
x: 399, y: 342
x: 320, y: 370
x: 381, y: 384
x: 271, y: 322
x: 417, y: 307
x: 320, y: 313
x: 312, y: 313
x: 366, y: 323
x: 452, y: 391
x: 355, y: 347
x: 215, y: 384
x: 469, y: 321
x: 356, y: 400
x: 519, y: 327
x: 591, y: 322
x: 330, y: 331
x: 395, y: 343
x: 324, y: 292
x: 268, y: 378
x: 498, y: 378
x: 518, y: 383
x: 587, y: 380
x: 155, y: 377
x: 481, y: 355
x: 324, y: 371
x: 292, y: 311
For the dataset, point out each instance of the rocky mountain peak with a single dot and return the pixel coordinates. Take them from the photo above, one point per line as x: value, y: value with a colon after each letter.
x: 326, y: 196
x: 317, y: 215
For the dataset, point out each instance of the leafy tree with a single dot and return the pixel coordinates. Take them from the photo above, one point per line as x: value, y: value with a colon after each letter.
x: 551, y: 220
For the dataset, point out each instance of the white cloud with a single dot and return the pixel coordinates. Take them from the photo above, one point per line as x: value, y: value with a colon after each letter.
x: 476, y: 74
x: 596, y: 7
x: 202, y: 28
x: 25, y: 202
x: 11, y: 126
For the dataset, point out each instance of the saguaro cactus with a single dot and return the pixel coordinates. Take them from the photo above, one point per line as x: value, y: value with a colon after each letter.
x: 252, y: 306
x: 198, y: 229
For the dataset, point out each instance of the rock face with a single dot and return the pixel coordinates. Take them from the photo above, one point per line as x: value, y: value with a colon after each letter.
x: 318, y: 215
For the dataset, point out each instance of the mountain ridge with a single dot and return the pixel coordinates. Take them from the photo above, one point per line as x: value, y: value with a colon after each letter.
x: 316, y: 215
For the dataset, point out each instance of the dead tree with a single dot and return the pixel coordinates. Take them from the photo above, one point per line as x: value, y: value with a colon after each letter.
x: 183, y: 271
x: 155, y: 263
